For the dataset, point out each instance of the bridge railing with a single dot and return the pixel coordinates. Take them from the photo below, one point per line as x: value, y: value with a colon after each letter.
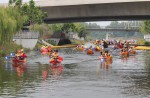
x: 26, y: 35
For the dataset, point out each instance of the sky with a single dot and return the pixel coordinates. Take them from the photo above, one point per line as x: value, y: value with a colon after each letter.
x: 101, y: 23
x: 6, y: 1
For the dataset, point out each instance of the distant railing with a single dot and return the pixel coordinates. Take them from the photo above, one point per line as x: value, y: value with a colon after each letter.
x: 26, y: 35
x: 112, y: 29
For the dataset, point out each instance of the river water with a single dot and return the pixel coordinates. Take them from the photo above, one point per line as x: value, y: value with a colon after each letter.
x: 81, y: 77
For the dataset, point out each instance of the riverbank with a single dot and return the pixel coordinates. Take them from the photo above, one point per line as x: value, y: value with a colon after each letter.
x: 8, y: 48
x: 74, y: 43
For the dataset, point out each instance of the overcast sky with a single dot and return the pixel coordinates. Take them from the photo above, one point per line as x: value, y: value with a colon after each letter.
x: 101, y: 23
x: 6, y: 1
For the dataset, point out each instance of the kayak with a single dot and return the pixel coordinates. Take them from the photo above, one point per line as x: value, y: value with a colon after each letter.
x: 44, y: 51
x: 80, y: 49
x: 90, y: 52
x: 16, y: 60
x: 57, y: 61
x: 64, y: 46
x: 97, y: 48
x: 142, y: 48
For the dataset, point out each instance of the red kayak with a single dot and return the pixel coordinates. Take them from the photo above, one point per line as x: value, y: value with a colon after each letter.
x: 16, y: 60
x: 56, y: 61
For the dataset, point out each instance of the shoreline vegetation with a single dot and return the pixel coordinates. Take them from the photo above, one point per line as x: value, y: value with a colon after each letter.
x: 13, y: 18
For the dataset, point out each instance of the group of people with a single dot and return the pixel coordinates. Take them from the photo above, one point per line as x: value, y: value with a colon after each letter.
x: 55, y: 59
x: 100, y: 46
x: 106, y: 59
x: 126, y: 49
x: 46, y: 50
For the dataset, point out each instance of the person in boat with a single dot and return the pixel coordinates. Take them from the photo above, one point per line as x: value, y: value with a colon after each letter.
x: 55, y: 60
x: 90, y: 50
x: 23, y: 55
x: 122, y: 52
x: 132, y: 50
x: 18, y: 54
x: 120, y: 45
x: 44, y: 50
x: 102, y: 58
x: 55, y: 53
x: 108, y: 58
x: 97, y: 48
x: 126, y: 53
x: 50, y: 51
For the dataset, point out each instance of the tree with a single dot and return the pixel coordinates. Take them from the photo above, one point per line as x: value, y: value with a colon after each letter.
x: 92, y: 25
x: 113, y: 24
x: 68, y: 27
x: 56, y: 27
x: 34, y: 13
x: 11, y: 21
x: 145, y: 28
x: 82, y: 33
x: 44, y: 29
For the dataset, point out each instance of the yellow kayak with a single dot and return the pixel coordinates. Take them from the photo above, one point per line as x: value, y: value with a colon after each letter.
x: 142, y: 48
x: 64, y: 46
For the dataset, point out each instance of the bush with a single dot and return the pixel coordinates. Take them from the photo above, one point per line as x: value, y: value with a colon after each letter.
x: 2, y: 53
x: 147, y: 43
x: 141, y: 42
x: 51, y: 42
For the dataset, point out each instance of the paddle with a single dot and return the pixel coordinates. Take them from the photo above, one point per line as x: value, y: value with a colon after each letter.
x: 10, y: 56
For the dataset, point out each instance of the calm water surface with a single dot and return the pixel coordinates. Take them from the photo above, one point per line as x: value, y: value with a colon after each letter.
x: 81, y: 77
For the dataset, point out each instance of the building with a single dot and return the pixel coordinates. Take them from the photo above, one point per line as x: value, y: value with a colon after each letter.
x: 147, y: 37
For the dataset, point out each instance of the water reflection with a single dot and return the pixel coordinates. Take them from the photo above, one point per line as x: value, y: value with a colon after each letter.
x: 124, y: 78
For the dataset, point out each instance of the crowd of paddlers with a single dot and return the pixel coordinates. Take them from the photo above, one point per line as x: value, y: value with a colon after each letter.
x: 97, y: 46
x: 102, y: 47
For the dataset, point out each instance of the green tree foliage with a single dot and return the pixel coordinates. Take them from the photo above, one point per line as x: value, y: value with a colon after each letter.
x: 68, y: 27
x: 145, y: 28
x: 34, y: 13
x: 11, y: 21
x: 79, y: 28
x: 56, y: 27
x: 114, y: 24
x: 43, y: 28
x: 92, y: 25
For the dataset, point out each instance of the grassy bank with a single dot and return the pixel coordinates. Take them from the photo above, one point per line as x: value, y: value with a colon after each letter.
x: 143, y: 42
x: 8, y: 48
x: 77, y: 41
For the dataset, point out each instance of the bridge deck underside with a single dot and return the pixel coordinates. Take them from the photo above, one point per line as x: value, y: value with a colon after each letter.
x: 95, y: 12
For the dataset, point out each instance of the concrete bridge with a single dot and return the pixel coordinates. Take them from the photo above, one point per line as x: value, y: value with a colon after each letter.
x: 95, y: 10
x: 26, y: 39
x: 111, y: 30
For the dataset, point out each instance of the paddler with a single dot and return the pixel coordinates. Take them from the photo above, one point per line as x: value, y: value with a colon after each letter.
x: 50, y: 51
x: 23, y: 55
x: 18, y: 54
